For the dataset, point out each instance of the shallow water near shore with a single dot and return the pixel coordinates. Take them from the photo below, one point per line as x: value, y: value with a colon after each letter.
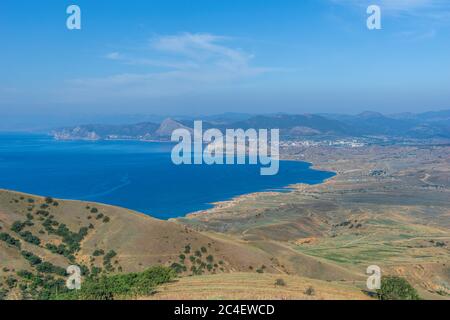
x: 133, y: 174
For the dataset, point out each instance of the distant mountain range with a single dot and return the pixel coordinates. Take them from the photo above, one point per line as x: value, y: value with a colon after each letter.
x: 408, y: 125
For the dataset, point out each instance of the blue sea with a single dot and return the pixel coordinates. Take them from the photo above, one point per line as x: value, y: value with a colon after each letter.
x: 132, y: 174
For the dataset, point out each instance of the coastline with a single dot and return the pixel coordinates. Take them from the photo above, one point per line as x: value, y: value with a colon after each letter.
x: 236, y: 199
x: 223, y: 199
x: 221, y: 204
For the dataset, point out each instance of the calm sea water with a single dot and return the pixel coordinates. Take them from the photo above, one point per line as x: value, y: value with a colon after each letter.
x: 132, y: 174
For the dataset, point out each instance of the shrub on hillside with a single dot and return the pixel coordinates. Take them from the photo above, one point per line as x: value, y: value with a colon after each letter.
x: 280, y: 282
x: 17, y: 226
x: 122, y: 285
x: 48, y: 200
x: 10, y: 240
x: 396, y: 288
x: 29, y: 237
x: 3, y: 294
x: 310, y: 291
x: 32, y: 258
x: 98, y: 252
x: 47, y: 267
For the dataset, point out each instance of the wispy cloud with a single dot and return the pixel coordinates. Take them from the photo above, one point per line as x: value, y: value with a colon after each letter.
x: 417, y: 35
x: 175, y: 64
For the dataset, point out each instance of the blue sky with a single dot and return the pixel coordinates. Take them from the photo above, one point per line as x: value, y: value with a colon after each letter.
x: 214, y: 56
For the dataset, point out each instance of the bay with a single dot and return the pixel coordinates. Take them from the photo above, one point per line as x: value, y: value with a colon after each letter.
x: 133, y: 174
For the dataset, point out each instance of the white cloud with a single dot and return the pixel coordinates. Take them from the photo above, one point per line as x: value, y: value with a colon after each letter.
x: 174, y: 64
x: 113, y: 56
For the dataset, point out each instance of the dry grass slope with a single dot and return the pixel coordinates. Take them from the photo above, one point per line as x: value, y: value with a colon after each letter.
x: 247, y: 286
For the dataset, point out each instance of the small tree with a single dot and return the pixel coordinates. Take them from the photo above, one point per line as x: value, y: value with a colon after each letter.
x: 310, y: 291
x: 48, y: 199
x: 396, y: 288
x: 280, y: 283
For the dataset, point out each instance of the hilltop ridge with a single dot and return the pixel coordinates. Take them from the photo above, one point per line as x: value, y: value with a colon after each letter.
x: 417, y: 126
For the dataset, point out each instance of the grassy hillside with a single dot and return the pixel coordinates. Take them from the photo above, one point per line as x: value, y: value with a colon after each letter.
x: 244, y: 286
x: 44, y: 236
x: 40, y: 237
x: 392, y: 211
x: 312, y: 243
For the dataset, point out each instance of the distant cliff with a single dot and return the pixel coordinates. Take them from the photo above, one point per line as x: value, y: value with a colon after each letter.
x: 141, y: 131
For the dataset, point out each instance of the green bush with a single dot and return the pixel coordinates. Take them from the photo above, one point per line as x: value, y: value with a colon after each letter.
x: 310, y: 291
x: 107, y: 260
x: 25, y: 274
x: 48, y: 200
x: 43, y: 213
x: 17, y: 226
x: 396, y: 288
x: 47, y: 267
x: 3, y: 294
x: 10, y: 240
x: 60, y: 249
x: 71, y: 239
x: 98, y: 252
x: 122, y: 285
x: 280, y: 282
x: 29, y: 237
x: 178, y: 268
x: 11, y: 282
x: 32, y: 258
x: 40, y: 287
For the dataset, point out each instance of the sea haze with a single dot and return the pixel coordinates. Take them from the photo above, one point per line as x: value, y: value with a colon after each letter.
x: 132, y: 174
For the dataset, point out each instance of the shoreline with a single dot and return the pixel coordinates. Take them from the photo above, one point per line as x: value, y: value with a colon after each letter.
x: 220, y: 204
x: 209, y: 206
x: 236, y: 199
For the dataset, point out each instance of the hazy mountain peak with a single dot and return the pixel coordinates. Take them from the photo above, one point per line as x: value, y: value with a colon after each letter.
x: 370, y: 114
x: 168, y: 126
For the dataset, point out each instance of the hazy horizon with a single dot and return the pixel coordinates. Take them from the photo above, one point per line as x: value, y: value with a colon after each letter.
x: 209, y: 57
x: 44, y: 123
